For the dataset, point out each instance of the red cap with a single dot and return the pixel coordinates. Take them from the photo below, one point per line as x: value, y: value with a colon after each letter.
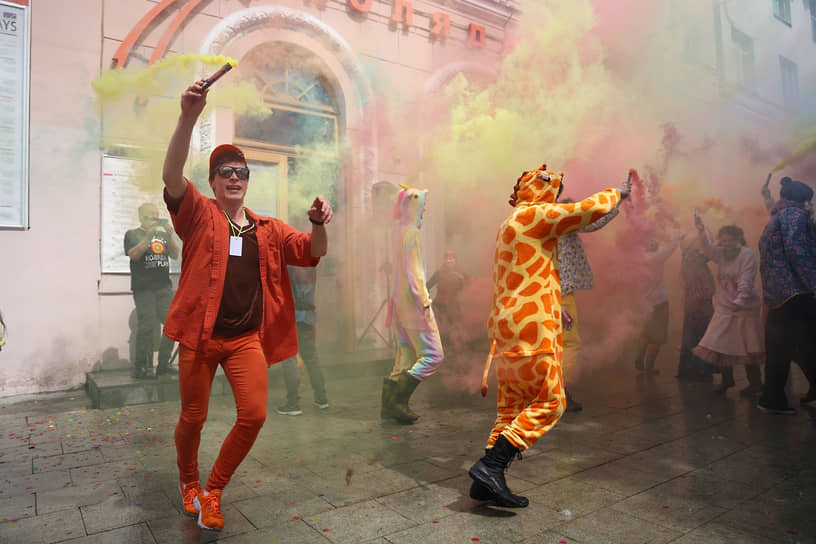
x: 221, y: 150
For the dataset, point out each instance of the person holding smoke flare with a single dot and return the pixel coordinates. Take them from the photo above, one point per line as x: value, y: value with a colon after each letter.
x: 656, y: 293
x: 787, y: 253
x: 575, y: 274
x: 525, y: 324
x: 773, y: 208
x: 734, y: 335
x: 233, y: 306
x: 419, y: 350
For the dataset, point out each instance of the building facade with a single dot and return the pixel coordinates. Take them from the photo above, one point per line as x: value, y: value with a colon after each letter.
x: 65, y: 295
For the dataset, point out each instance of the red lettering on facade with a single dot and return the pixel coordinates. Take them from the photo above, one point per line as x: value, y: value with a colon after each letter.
x: 476, y: 35
x: 402, y: 12
x: 361, y: 6
x: 441, y: 25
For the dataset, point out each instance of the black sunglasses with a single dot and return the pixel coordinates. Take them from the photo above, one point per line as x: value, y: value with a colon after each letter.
x: 226, y: 171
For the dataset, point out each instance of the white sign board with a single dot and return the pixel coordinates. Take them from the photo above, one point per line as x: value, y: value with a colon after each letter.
x: 14, y: 77
x: 121, y: 198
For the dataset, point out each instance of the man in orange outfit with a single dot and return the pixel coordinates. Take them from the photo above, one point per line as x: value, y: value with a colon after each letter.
x: 233, y: 306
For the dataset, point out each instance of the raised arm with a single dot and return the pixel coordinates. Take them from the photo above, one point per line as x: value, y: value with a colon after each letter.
x: 602, y: 222
x: 711, y: 251
x: 319, y: 214
x: 193, y: 100
x: 766, y: 194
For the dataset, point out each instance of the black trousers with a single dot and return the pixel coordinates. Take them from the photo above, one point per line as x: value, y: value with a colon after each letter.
x: 308, y: 352
x: 151, y: 311
x: 789, y: 330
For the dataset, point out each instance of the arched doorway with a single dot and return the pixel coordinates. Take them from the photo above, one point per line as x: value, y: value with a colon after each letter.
x: 293, y: 153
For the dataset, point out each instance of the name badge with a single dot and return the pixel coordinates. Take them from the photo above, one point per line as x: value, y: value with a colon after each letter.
x: 236, y: 245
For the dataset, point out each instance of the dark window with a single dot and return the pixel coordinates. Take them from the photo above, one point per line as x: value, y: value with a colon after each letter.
x: 790, y: 81
x: 812, y: 5
x: 743, y: 56
x: 782, y: 11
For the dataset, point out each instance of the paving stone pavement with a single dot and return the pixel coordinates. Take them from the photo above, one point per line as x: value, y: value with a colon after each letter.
x: 649, y: 460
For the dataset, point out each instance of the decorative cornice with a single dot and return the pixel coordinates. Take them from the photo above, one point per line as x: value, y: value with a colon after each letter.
x: 501, y: 10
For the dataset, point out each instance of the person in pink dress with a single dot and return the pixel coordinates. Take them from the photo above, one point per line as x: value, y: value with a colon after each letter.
x: 734, y: 336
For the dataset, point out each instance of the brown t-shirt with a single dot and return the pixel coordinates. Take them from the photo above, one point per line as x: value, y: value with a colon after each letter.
x: 241, y: 307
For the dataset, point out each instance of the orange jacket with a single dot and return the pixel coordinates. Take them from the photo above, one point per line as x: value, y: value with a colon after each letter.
x: 203, y: 228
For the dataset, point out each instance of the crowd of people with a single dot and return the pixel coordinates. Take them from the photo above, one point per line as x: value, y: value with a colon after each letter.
x: 246, y: 300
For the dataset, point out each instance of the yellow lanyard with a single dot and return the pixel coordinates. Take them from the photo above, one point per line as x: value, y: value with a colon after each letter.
x: 235, y: 229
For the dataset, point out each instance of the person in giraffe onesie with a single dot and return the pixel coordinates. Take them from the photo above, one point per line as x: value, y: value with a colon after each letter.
x: 419, y: 352
x: 525, y: 323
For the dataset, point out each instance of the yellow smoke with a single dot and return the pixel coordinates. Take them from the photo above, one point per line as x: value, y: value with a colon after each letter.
x: 115, y: 83
x: 805, y: 148
x: 140, y: 106
x: 548, y: 87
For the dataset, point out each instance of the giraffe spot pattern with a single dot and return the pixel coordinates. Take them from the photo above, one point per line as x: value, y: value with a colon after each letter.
x: 525, y: 320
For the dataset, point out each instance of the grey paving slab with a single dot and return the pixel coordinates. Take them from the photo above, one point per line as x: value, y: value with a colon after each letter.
x: 106, y: 471
x: 291, y: 532
x: 119, y: 511
x: 424, y: 503
x: 358, y: 522
x: 573, y: 498
x: 273, y: 509
x: 613, y: 477
x: 54, y: 527
x: 68, y: 461
x: 18, y: 506
x: 34, y: 483
x: 666, y: 510
x: 715, y: 532
x: 614, y: 527
x: 179, y: 527
x: 83, y: 494
x: 132, y: 534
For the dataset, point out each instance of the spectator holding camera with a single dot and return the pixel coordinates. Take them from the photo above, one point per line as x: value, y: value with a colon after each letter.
x: 150, y: 248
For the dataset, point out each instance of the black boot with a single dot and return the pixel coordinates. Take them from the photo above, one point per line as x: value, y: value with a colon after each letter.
x: 387, y: 408
x: 488, y: 472
x: 406, y: 385
x: 572, y: 404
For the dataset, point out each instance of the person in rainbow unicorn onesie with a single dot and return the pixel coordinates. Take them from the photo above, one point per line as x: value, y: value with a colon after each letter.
x: 419, y: 350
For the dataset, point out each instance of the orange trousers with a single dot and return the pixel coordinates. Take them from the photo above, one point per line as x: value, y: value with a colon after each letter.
x: 530, y: 398
x: 245, y: 366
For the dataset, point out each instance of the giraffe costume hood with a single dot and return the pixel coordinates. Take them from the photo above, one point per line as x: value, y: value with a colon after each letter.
x: 526, y: 315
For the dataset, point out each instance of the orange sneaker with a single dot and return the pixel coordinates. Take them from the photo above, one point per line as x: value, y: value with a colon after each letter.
x: 210, y: 517
x: 189, y: 496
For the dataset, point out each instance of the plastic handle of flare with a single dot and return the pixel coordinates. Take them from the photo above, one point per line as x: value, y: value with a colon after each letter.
x: 216, y: 76
x: 487, y: 367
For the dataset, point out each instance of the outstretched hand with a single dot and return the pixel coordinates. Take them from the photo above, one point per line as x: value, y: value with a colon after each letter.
x: 765, y: 191
x: 625, y: 188
x: 321, y: 211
